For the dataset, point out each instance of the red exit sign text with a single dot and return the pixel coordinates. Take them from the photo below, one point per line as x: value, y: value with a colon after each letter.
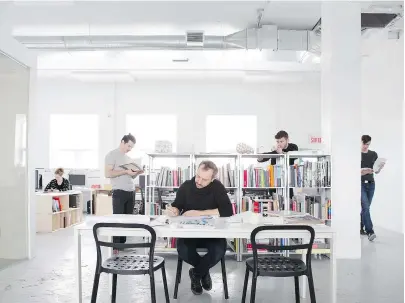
x: 315, y: 140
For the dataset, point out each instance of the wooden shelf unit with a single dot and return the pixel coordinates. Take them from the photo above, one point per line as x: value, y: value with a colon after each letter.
x: 48, y: 220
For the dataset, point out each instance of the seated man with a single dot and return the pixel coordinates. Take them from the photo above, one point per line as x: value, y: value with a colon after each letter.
x: 201, y: 196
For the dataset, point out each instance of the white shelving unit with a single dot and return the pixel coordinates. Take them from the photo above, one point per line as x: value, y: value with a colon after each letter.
x: 238, y: 164
x: 150, y: 178
x: 236, y: 161
x: 280, y: 190
x: 320, y: 185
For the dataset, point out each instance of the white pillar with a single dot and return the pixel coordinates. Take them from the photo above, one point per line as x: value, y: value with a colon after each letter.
x: 341, y: 115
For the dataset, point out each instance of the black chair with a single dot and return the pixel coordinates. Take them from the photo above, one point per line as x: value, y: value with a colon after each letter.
x: 178, y: 277
x: 279, y: 266
x: 128, y: 264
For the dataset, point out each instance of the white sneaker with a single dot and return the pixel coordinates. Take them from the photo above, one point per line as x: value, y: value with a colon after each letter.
x: 371, y: 237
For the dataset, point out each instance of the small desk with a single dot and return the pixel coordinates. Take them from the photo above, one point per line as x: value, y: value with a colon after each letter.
x: 233, y: 230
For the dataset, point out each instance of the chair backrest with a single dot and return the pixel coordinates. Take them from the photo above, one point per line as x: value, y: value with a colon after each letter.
x: 100, y: 243
x: 270, y: 247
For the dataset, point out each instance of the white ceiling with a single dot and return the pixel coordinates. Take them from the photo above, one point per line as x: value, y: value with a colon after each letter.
x: 68, y: 17
x: 151, y: 17
x: 214, y: 17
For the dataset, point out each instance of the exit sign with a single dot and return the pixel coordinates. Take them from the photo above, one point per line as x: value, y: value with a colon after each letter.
x: 315, y: 139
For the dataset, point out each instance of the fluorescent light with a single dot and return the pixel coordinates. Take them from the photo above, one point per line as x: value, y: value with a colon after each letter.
x: 102, y: 76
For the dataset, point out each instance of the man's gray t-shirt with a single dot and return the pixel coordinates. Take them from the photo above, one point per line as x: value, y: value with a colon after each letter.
x: 117, y: 158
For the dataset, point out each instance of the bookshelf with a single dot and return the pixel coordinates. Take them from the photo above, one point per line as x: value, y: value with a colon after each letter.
x: 258, y: 187
x: 262, y: 189
x: 228, y: 173
x: 58, y: 210
x: 311, y: 179
x: 162, y: 184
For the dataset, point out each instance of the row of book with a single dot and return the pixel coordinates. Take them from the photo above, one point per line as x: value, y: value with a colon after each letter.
x: 172, y: 177
x: 56, y: 205
x: 311, y: 174
x: 262, y: 204
x: 312, y: 205
x: 164, y: 197
x: 305, y: 174
x: 271, y: 176
x: 167, y: 177
x: 227, y: 175
x: 247, y: 245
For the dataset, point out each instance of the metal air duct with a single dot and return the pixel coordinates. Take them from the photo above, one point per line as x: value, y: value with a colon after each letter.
x: 266, y: 37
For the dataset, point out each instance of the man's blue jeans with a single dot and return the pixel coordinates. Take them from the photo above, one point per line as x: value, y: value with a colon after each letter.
x: 367, y: 193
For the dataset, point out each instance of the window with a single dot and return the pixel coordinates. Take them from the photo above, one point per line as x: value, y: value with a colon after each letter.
x: 224, y: 132
x: 150, y: 128
x: 74, y: 141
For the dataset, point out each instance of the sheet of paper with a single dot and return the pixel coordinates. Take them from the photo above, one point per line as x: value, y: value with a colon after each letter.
x: 379, y: 163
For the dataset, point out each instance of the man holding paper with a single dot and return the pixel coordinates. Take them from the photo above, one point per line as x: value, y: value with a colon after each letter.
x: 370, y: 163
x: 121, y: 170
x: 203, y: 195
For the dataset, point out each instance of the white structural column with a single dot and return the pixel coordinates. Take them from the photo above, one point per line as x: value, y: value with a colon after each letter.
x: 17, y: 89
x: 341, y: 118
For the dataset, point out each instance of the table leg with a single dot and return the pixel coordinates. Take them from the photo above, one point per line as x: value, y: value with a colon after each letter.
x: 333, y: 270
x: 78, y: 246
x: 91, y: 202
x: 303, y: 279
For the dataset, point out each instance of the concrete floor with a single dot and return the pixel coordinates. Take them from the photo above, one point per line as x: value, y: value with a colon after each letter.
x: 377, y: 277
x: 4, y: 263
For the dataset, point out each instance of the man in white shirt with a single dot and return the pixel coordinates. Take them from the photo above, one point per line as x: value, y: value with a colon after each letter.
x: 123, y: 196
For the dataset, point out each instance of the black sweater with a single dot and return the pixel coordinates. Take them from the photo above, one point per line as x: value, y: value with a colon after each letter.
x: 213, y: 196
x: 290, y: 147
x: 54, y: 185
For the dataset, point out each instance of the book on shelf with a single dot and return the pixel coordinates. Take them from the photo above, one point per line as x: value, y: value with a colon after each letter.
x: 271, y: 176
x: 262, y: 204
x: 172, y: 177
x: 247, y: 245
x: 312, y: 205
x: 310, y: 174
x: 227, y: 175
x: 164, y: 197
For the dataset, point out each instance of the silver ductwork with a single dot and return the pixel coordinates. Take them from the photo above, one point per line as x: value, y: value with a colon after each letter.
x: 267, y: 37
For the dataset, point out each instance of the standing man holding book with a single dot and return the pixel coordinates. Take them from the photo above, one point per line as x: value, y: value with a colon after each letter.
x: 368, y: 158
x: 283, y: 146
x: 123, y: 195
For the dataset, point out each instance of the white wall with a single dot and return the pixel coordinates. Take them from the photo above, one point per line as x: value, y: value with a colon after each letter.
x: 277, y: 106
x: 382, y: 119
x: 14, y: 96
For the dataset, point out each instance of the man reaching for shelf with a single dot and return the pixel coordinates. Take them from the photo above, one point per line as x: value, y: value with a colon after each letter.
x: 203, y: 195
x: 283, y: 146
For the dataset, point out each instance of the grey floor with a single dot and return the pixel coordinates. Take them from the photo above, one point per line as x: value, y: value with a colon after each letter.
x: 377, y: 277
x: 4, y: 263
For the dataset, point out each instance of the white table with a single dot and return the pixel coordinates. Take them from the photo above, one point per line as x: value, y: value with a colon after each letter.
x: 233, y: 230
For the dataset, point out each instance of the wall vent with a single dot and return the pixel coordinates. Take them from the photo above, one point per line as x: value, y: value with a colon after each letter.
x: 195, y: 38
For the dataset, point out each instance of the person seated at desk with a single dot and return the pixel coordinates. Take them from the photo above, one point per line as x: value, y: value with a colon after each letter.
x: 201, y: 196
x: 59, y: 183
